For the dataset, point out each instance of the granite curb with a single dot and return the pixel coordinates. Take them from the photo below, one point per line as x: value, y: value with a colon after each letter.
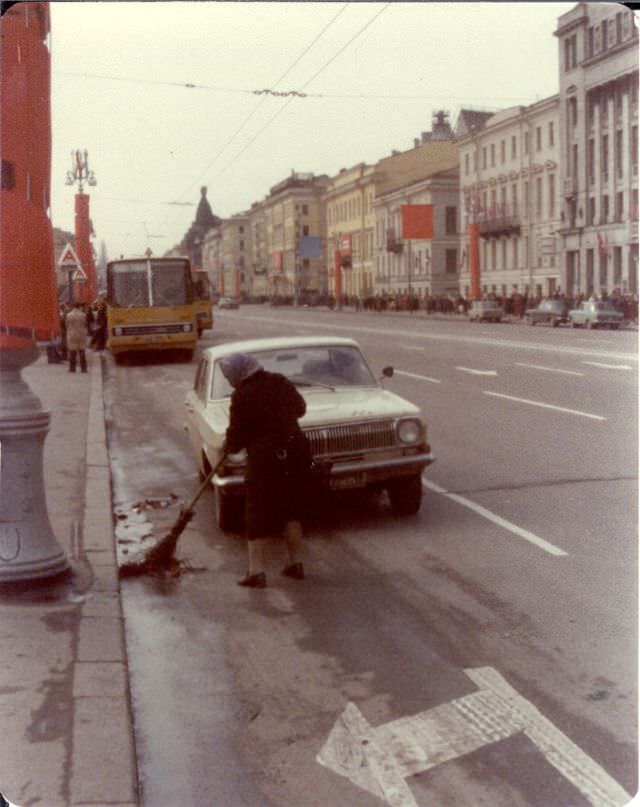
x: 102, y: 717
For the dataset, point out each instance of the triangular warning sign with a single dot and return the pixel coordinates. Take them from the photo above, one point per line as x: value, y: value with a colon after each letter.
x: 68, y: 258
x: 79, y: 274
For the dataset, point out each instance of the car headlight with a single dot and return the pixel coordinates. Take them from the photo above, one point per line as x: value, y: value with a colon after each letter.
x: 187, y: 327
x: 409, y: 431
x: 117, y: 331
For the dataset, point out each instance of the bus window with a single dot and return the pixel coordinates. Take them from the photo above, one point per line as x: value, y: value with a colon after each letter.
x: 168, y: 285
x: 128, y: 285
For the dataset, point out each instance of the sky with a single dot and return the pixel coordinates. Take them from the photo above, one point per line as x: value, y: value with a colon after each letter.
x: 371, y: 75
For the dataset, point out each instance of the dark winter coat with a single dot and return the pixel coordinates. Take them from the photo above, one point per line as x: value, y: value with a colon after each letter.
x: 263, y: 418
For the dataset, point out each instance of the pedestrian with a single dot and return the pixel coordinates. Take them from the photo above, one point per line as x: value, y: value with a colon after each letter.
x: 100, y: 328
x: 77, y: 335
x: 263, y: 419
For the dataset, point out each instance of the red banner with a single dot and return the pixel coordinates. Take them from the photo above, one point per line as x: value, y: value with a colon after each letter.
x: 278, y: 260
x: 417, y: 221
x: 28, y: 297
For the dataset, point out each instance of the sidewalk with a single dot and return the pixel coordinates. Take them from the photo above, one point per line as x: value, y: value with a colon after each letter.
x: 67, y: 732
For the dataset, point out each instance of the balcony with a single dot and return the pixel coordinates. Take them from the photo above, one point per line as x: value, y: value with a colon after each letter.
x: 498, y: 221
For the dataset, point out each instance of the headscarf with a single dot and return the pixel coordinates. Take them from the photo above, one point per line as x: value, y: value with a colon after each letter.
x: 236, y: 367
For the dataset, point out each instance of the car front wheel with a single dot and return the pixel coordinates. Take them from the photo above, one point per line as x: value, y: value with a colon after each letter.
x: 405, y: 495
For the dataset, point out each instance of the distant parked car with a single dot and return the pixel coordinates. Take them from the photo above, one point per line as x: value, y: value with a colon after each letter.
x: 485, y: 310
x: 596, y: 314
x: 228, y: 302
x: 551, y: 311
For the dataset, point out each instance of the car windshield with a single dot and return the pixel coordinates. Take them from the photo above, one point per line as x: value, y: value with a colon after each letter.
x: 324, y: 366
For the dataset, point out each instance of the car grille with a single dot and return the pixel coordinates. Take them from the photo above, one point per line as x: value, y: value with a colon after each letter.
x: 142, y: 330
x: 347, y: 438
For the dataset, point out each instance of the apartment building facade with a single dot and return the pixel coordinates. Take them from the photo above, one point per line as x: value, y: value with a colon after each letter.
x: 350, y: 227
x: 293, y: 210
x: 598, y: 90
x: 426, y: 174
x: 509, y: 185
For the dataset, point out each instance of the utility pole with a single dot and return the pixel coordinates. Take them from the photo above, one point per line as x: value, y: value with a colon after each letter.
x: 80, y: 173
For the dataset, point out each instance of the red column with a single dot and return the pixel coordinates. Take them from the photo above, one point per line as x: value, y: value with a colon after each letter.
x: 86, y: 291
x: 337, y: 275
x: 474, y: 260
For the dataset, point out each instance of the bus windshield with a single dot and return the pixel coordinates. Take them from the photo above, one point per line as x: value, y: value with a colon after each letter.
x: 201, y: 286
x: 148, y: 284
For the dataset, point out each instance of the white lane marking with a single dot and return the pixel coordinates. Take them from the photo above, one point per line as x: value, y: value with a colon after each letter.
x: 549, y: 369
x: 609, y: 366
x: 477, y: 372
x: 545, y: 405
x: 378, y: 759
x: 413, y: 347
x: 421, y: 377
x: 496, y: 519
x: 335, y: 327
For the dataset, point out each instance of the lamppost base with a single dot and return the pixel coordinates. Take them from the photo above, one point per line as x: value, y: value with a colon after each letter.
x: 29, y: 549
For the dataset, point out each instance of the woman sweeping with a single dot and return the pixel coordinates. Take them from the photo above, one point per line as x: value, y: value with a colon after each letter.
x: 264, y: 413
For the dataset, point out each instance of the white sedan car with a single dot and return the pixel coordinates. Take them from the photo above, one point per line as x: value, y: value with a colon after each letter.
x: 365, y: 435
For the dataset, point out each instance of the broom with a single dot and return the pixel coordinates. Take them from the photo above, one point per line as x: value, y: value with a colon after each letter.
x: 159, y: 558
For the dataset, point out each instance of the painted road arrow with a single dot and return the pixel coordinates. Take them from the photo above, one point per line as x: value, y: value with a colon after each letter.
x: 379, y: 759
x: 477, y: 372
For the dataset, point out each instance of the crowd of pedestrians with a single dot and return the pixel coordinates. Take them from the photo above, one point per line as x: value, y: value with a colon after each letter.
x: 514, y: 305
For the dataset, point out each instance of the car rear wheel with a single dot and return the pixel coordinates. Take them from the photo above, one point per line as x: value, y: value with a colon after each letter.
x: 229, y: 511
x: 405, y: 495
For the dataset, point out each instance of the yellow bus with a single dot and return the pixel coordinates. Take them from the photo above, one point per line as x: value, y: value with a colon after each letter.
x: 202, y: 300
x: 150, y: 306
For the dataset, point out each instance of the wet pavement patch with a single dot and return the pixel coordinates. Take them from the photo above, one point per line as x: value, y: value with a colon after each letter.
x: 133, y: 526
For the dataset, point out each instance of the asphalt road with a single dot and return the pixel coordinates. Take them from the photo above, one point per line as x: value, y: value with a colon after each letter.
x: 517, y: 580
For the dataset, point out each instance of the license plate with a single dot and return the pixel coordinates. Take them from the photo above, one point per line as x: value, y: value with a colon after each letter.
x: 347, y: 482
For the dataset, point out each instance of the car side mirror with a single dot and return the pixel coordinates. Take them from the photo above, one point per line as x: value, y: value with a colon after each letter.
x: 387, y: 371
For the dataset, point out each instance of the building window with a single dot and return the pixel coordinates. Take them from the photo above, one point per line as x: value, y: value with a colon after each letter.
x: 538, y: 138
x: 619, y: 27
x: 451, y: 221
x: 619, y: 206
x: 493, y: 154
x: 603, y: 34
x: 305, y: 210
x: 514, y: 147
x: 552, y: 196
x: 451, y: 261
x: 619, y: 152
x: 551, y: 137
x: 494, y: 264
x: 591, y: 160
x: 466, y: 164
x: 504, y: 253
x: 591, y: 211
x: 515, y: 253
x: 604, y: 158
x: 526, y: 142
x: 525, y: 198
x: 604, y: 209
x: 634, y: 149
x: 305, y: 229
x: 539, y: 198
x: 514, y: 200
x: 503, y: 149
x: 590, y: 48
x: 484, y: 156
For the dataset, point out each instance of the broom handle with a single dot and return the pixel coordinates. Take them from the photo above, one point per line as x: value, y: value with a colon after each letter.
x: 206, y: 482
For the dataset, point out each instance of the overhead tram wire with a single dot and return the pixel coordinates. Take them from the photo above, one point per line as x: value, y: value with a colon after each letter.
x: 259, y: 104
x: 304, y: 86
x: 318, y: 95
